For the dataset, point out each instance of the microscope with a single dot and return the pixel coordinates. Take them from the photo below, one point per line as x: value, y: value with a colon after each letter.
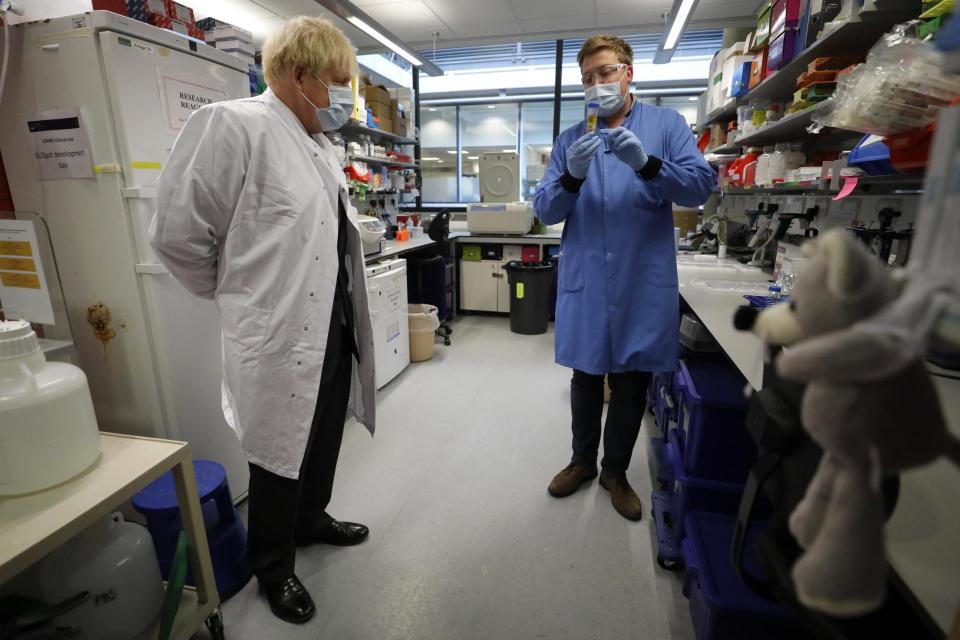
x: 880, y: 240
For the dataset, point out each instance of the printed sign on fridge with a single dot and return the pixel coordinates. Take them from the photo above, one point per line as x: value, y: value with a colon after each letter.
x: 23, y: 286
x: 182, y: 95
x: 60, y: 145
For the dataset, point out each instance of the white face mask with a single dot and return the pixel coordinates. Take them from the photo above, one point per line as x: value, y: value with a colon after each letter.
x: 606, y: 95
x: 341, y: 107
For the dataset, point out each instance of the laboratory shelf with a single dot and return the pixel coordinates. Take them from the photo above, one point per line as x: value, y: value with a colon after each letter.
x: 386, y: 162
x: 352, y: 128
x: 723, y: 114
x: 847, y: 39
x: 906, y: 184
x: 787, y: 129
x: 727, y: 149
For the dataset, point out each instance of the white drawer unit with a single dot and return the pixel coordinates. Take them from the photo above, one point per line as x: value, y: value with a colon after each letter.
x: 387, y: 293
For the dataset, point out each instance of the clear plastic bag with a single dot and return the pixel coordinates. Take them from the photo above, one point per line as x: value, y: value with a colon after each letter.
x: 901, y: 87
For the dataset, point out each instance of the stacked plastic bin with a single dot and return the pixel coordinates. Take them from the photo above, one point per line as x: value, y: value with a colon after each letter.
x: 710, y: 451
x: 721, y: 605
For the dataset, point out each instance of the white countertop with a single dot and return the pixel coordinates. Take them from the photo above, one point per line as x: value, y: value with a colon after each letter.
x: 392, y: 248
x: 535, y: 238
x: 715, y: 307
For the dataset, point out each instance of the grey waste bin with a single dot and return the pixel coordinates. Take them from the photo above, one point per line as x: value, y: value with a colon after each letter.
x: 530, y: 285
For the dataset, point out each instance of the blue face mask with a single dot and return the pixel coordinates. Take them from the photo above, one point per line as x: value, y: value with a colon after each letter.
x: 338, y: 113
x: 606, y: 95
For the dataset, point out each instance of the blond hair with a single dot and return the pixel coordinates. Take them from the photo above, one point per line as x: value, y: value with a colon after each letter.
x: 606, y: 42
x: 313, y: 43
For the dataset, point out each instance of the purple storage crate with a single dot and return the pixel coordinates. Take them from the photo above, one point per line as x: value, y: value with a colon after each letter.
x: 721, y: 606
x: 662, y: 467
x: 665, y: 406
x: 782, y: 50
x: 711, y: 420
x: 693, y: 493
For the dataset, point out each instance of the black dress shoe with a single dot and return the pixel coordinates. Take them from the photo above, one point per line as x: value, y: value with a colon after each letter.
x: 289, y: 601
x: 335, y: 532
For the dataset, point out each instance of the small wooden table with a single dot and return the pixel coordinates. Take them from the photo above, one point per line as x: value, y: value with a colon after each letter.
x: 32, y: 526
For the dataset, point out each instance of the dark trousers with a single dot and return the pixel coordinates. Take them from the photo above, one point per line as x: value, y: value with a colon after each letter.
x: 628, y: 401
x: 280, y: 508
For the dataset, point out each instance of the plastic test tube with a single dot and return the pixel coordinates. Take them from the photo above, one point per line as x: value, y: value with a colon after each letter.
x: 593, y: 114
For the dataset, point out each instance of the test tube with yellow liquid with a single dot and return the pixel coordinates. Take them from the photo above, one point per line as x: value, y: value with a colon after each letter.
x: 593, y: 115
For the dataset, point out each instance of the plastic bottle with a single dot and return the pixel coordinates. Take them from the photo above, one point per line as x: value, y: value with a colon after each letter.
x: 774, y: 292
x: 762, y: 177
x: 49, y: 431
x: 593, y: 115
x: 778, y: 164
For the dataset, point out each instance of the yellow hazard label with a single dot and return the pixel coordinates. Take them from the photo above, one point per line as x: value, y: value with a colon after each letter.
x: 519, y: 291
x: 18, y: 264
x: 20, y: 280
x: 15, y: 248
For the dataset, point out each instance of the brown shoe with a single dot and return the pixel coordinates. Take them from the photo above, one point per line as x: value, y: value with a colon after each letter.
x: 570, y: 479
x: 625, y: 500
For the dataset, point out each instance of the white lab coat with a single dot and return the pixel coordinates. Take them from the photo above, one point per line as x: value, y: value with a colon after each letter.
x: 247, y: 215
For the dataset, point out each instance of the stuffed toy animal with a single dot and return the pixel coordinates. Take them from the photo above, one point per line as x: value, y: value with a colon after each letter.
x: 872, y: 411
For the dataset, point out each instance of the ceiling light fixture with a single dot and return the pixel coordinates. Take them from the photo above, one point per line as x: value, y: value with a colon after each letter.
x: 347, y: 11
x: 473, y: 157
x: 451, y: 152
x: 677, y: 21
x: 509, y: 151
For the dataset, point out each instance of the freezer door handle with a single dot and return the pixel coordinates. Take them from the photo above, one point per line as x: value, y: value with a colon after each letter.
x: 151, y: 269
x: 139, y: 193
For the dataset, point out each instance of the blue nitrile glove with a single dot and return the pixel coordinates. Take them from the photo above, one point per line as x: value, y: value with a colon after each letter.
x: 626, y: 145
x: 580, y: 155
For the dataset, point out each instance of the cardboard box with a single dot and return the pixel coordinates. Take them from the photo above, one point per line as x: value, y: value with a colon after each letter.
x: 715, y: 69
x: 782, y: 50
x: 784, y: 14
x: 377, y: 94
x: 730, y: 73
x: 400, y: 126
x: 385, y: 124
x: 196, y: 32
x: 380, y: 110
x: 763, y: 24
x: 758, y: 69
x: 165, y: 22
x: 235, y: 45
x: 180, y: 12
x: 227, y: 32
x: 402, y: 94
x: 740, y: 84
x: 158, y: 7
x: 116, y: 6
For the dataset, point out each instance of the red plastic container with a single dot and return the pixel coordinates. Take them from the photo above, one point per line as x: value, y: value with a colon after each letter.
x: 909, y: 151
x: 531, y: 254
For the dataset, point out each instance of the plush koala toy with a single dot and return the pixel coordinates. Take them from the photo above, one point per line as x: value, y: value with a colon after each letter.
x: 871, y: 411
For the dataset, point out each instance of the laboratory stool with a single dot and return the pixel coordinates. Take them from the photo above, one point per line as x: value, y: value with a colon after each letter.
x: 226, y: 534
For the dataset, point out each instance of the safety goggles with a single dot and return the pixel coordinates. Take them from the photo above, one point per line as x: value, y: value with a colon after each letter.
x: 606, y: 73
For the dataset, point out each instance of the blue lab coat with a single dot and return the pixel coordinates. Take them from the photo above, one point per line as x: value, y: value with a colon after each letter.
x: 617, y: 302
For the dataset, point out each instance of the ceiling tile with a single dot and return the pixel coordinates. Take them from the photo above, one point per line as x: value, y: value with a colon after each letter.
x: 423, y: 36
x: 618, y: 6
x: 492, y: 30
x: 630, y: 18
x: 549, y: 9
x: 567, y: 23
x: 461, y: 12
x: 406, y: 14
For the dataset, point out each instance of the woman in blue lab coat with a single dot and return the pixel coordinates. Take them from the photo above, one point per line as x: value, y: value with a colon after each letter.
x: 618, y: 304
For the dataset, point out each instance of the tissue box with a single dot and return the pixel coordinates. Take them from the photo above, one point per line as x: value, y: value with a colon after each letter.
x: 180, y: 12
x: 741, y: 79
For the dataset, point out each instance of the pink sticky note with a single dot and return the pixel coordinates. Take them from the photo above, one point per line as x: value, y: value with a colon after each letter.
x: 849, y: 184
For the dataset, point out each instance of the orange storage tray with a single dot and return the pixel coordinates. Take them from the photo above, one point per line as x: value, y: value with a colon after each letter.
x: 909, y: 151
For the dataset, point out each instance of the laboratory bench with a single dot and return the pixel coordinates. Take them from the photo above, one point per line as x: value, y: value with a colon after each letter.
x: 33, y: 525
x: 393, y: 249
x: 924, y: 528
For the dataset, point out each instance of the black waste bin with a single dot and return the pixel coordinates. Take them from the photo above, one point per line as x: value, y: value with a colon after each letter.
x: 530, y: 285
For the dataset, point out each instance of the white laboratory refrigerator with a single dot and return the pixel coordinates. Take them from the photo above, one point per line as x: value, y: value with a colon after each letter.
x: 387, y: 295
x: 124, y: 89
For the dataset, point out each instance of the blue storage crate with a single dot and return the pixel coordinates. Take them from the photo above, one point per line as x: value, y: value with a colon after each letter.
x: 695, y: 493
x: 664, y: 402
x: 711, y: 419
x: 662, y: 467
x: 686, y: 494
x: 721, y: 606
x: 874, y: 158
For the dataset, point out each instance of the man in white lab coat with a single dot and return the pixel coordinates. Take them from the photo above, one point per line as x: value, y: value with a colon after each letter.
x: 253, y: 212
